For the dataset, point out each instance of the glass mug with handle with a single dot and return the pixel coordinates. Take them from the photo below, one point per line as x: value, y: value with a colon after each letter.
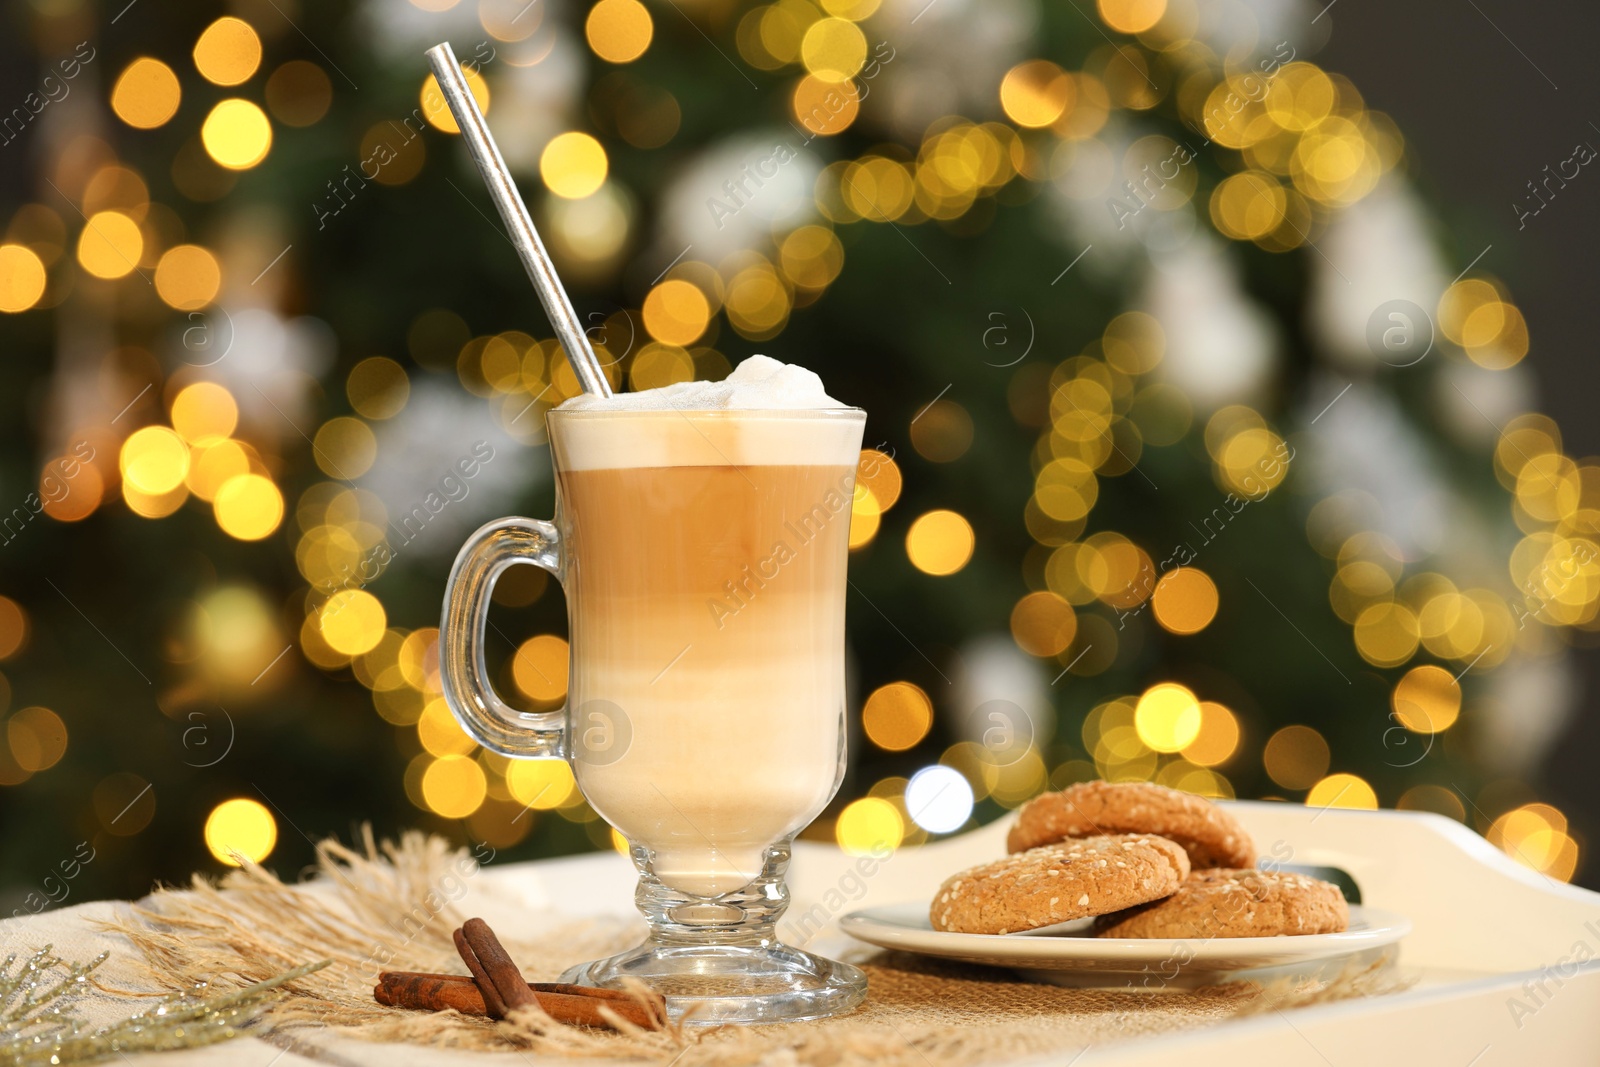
x: 703, y: 557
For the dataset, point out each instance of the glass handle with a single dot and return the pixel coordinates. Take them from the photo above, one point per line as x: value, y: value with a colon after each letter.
x: 493, y: 723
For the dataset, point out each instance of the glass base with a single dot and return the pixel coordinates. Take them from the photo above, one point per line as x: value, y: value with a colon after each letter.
x: 719, y: 960
x: 712, y: 984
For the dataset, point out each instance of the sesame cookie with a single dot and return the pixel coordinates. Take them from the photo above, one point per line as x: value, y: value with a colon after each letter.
x: 1218, y: 902
x: 1211, y: 836
x: 1059, y: 882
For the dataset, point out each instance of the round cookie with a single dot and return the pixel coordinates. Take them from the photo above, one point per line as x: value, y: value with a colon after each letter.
x: 1219, y: 902
x: 1059, y: 882
x: 1211, y: 836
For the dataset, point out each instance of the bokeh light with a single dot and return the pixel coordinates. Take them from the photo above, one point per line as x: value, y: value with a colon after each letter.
x: 378, y: 388
x: 438, y: 731
x: 880, y: 475
x: 352, y: 621
x: 235, y: 631
x: 824, y: 107
x: 344, y: 447
x: 1218, y: 738
x: 658, y: 365
x: 22, y: 278
x: 1249, y: 206
x: 619, y: 31
x: 1131, y: 16
x: 240, y: 827
x: 84, y: 491
x: 833, y: 49
x: 113, y: 185
x: 146, y: 94
x: 854, y: 10
x: 865, y: 516
x: 188, y: 277
x: 1184, y: 600
x: 110, y: 245
x: 811, y: 257
x: 1167, y: 717
x: 153, y: 505
x: 1474, y: 314
x: 942, y: 432
x: 869, y: 825
x: 37, y: 739
x: 237, y: 134
x: 454, y: 786
x: 248, y: 507
x: 204, y: 413
x: 228, y: 52
x: 1250, y: 461
x: 1536, y: 836
x: 1065, y: 489
x: 940, y: 542
x: 13, y: 627
x: 154, y: 460
x: 757, y: 303
x: 1296, y: 757
x: 540, y: 667
x: 676, y: 312
x: 1427, y: 699
x: 1035, y: 93
x: 877, y: 188
x: 897, y: 716
x: 1134, y: 343
x: 1043, y: 624
x: 1435, y: 798
x: 939, y: 799
x: 1342, y: 791
x: 541, y: 784
x: 1386, y: 634
x: 573, y: 165
x: 212, y: 465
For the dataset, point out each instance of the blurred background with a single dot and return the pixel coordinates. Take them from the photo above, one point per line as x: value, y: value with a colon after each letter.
x: 1211, y: 438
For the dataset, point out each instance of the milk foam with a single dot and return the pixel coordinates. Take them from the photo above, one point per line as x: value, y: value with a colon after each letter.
x: 757, y: 416
x: 760, y: 383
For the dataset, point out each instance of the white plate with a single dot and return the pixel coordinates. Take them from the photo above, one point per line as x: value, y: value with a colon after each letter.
x: 1149, y: 962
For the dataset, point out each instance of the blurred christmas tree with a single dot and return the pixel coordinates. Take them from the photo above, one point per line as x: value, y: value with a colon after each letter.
x: 1191, y: 461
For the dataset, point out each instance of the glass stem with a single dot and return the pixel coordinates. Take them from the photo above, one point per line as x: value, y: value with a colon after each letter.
x: 747, y: 916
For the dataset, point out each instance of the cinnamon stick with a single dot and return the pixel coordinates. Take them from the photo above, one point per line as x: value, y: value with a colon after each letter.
x: 494, y: 1005
x: 579, y: 1005
x: 501, y: 989
x: 428, y: 995
x: 494, y: 964
x: 422, y: 979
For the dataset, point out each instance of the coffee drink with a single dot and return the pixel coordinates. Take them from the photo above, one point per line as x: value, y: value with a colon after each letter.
x: 701, y: 536
x: 706, y: 578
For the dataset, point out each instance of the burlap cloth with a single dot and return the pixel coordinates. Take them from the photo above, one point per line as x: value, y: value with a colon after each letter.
x: 918, y: 1013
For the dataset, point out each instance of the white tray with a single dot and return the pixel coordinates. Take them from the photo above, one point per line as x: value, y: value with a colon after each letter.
x: 1496, y: 947
x: 1508, y: 961
x: 1499, y: 950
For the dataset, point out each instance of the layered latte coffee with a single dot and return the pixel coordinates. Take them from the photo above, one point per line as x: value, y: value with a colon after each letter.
x: 706, y: 534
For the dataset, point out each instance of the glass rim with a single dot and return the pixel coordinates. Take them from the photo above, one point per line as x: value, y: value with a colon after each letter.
x: 797, y: 414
